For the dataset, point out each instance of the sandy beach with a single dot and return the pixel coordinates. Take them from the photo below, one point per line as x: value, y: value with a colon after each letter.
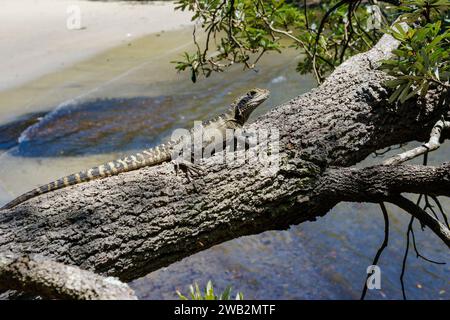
x: 35, y: 39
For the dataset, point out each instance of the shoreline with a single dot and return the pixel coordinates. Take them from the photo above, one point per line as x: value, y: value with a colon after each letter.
x: 136, y: 68
x: 43, y: 44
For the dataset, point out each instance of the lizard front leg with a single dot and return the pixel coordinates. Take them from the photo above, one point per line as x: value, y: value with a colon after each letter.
x: 188, y: 167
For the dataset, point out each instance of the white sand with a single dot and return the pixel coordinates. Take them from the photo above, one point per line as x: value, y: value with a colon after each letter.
x: 35, y: 40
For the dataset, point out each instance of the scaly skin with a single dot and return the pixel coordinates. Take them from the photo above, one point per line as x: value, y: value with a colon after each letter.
x: 234, y: 118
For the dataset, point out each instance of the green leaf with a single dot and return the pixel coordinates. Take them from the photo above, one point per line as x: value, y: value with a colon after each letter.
x: 411, y: 94
x: 198, y: 293
x: 226, y: 293
x: 400, y: 53
x: 424, y: 88
x: 181, y: 296
x: 393, y: 83
x: 209, y: 291
x: 405, y: 91
x: 436, y: 73
x: 192, y: 292
x: 396, y: 93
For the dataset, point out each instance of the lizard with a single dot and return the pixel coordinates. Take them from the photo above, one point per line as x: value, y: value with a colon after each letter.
x: 234, y: 118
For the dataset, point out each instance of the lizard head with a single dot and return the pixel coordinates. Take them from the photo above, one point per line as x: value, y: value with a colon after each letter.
x: 244, y: 106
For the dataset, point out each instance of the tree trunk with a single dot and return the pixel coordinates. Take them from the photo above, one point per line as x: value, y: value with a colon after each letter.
x: 134, y: 223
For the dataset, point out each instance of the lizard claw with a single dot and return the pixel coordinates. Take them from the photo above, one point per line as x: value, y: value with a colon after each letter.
x: 187, y: 167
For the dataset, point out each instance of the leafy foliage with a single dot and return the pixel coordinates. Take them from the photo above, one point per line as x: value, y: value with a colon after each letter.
x: 420, y: 61
x: 327, y: 32
x: 242, y: 31
x: 422, y: 58
x: 422, y: 11
x: 196, y: 294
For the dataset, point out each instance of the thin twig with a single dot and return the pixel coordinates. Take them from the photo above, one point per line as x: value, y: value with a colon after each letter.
x: 305, y: 12
x: 418, y: 254
x: 405, y: 257
x: 430, y: 207
x: 424, y: 217
x: 376, y: 154
x: 432, y: 144
x: 319, y: 32
x: 347, y: 35
x: 382, y: 247
x: 435, y: 199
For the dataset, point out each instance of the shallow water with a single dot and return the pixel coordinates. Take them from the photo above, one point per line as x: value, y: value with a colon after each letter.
x: 130, y: 98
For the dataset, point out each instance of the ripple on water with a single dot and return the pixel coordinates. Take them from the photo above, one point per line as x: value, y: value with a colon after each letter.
x: 99, y: 126
x: 10, y: 132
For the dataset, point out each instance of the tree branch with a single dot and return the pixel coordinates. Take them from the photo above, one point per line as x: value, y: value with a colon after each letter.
x: 386, y: 183
x: 379, y: 182
x: 58, y: 281
x: 417, y: 212
x: 433, y: 144
x: 131, y: 224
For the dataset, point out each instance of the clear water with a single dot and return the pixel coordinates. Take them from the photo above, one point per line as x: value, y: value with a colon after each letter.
x: 131, y: 98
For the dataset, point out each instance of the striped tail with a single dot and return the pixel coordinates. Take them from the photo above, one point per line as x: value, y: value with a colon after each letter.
x: 146, y: 158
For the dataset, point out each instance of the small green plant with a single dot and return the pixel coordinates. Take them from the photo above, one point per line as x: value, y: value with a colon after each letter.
x: 196, y: 294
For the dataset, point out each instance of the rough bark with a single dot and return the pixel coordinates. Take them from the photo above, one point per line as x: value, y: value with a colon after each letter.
x: 137, y: 222
x: 57, y: 281
x: 386, y: 183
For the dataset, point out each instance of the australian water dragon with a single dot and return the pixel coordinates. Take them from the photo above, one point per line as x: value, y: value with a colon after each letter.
x: 234, y: 118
